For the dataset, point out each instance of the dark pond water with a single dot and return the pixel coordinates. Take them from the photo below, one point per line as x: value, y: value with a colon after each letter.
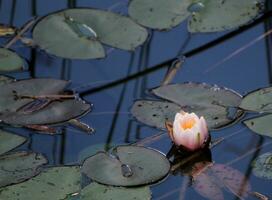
x: 110, y: 117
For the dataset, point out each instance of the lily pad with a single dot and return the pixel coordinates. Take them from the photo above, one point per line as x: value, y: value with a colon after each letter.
x: 5, y: 79
x: 20, y: 166
x: 198, y: 94
x: 9, y: 101
x: 261, y: 125
x: 258, y: 101
x: 54, y: 183
x: 262, y: 166
x: 97, y: 191
x: 129, y: 166
x: 217, y: 105
x: 206, y: 16
x: 159, y: 14
x: 9, y: 141
x: 55, y: 113
x: 80, y: 33
x: 10, y: 61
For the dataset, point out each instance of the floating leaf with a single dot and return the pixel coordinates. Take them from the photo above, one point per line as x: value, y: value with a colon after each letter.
x: 10, y: 93
x: 10, y: 61
x: 97, y: 191
x: 159, y: 14
x: 78, y: 33
x: 5, y: 79
x: 210, y: 101
x: 54, y: 183
x: 224, y: 15
x: 154, y: 113
x: 261, y: 125
x: 259, y: 100
x: 206, y: 16
x: 20, y: 166
x: 55, y: 113
x: 146, y: 166
x: 9, y: 141
x: 262, y: 166
x: 198, y: 94
x: 218, y: 176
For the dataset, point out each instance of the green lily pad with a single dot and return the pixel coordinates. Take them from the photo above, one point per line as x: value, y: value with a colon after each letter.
x: 206, y: 15
x: 5, y: 79
x: 19, y: 166
x: 10, y: 61
x: 198, y: 94
x: 80, y: 33
x: 55, y: 113
x: 217, y: 105
x: 258, y: 101
x: 224, y: 15
x: 32, y: 87
x: 261, y: 125
x: 97, y: 191
x: 130, y: 166
x: 54, y: 183
x: 9, y: 141
x: 262, y: 166
x: 159, y: 14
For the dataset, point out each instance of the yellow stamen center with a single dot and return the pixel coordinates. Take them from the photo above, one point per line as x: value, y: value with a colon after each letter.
x: 188, y: 124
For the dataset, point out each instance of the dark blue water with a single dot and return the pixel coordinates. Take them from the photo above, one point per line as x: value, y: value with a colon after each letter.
x: 110, y: 116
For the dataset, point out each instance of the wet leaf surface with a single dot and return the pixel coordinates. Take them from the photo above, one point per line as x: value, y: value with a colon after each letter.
x: 10, y: 61
x: 19, y: 166
x: 55, y: 113
x: 97, y: 191
x: 258, y: 101
x: 205, y: 16
x: 9, y: 141
x: 147, y: 166
x: 54, y: 183
x: 81, y: 33
x: 210, y: 101
x: 262, y: 166
x: 24, y: 103
x: 261, y: 125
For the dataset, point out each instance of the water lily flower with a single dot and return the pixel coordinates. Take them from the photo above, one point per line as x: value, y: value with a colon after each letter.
x: 189, y: 131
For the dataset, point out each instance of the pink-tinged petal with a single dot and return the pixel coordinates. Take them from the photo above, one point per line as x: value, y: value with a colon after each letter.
x: 189, y: 131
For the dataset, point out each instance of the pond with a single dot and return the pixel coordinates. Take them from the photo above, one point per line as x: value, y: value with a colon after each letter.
x: 122, y: 87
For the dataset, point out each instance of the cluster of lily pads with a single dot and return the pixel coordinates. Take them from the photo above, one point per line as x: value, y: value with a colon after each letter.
x: 125, y: 172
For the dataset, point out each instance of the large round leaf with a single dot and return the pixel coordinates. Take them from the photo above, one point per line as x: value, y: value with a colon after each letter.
x: 159, y: 14
x: 154, y: 113
x: 78, y: 33
x: 53, y: 183
x: 221, y: 15
x: 206, y: 15
x: 261, y: 125
x: 55, y: 113
x: 33, y: 87
x: 10, y: 61
x: 217, y: 105
x: 20, y: 166
x: 262, y: 166
x: 97, y: 191
x: 9, y: 141
x: 190, y: 94
x: 131, y: 166
x: 258, y: 101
